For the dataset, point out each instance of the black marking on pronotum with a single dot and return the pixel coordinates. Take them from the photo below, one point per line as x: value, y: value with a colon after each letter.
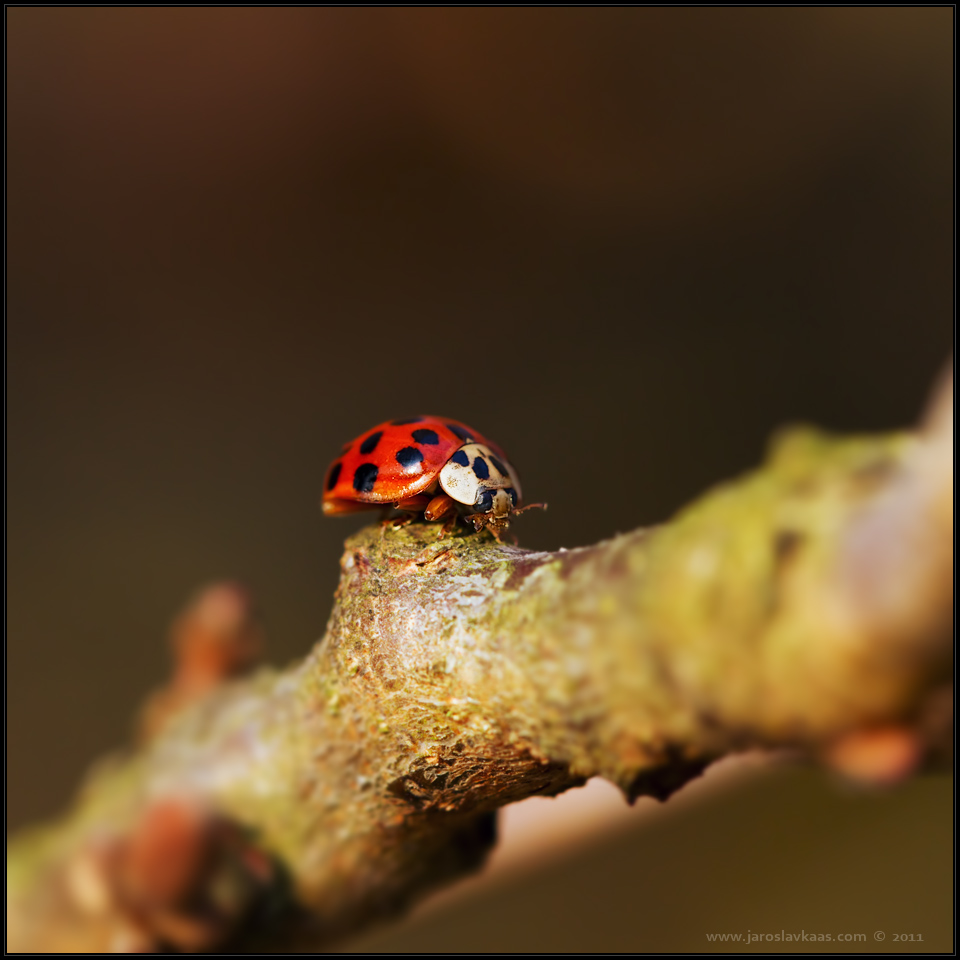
x: 480, y: 468
x: 401, y: 423
x: 501, y: 469
x: 370, y: 444
x: 485, y: 503
x: 463, y: 434
x: 461, y: 458
x: 409, y: 457
x: 425, y: 436
x: 364, y: 477
x: 334, y: 475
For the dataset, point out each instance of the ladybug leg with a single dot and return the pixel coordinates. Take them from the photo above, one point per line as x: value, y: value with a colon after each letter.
x: 484, y: 521
x: 395, y: 523
x: 440, y: 506
x: 448, y: 526
x: 414, y: 504
x: 411, y: 507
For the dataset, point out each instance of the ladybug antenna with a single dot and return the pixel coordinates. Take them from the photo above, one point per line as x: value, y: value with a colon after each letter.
x: 530, y: 506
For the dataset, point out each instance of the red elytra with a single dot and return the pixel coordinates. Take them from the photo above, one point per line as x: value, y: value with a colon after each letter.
x: 434, y: 465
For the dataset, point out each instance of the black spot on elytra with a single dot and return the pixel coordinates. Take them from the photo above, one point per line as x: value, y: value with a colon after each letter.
x: 428, y: 437
x: 461, y: 458
x: 499, y: 466
x: 463, y: 434
x: 370, y: 444
x: 481, y: 469
x: 334, y: 475
x: 409, y: 457
x: 401, y: 423
x: 364, y: 477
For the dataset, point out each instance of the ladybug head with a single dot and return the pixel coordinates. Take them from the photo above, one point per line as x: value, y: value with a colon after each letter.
x: 497, y: 501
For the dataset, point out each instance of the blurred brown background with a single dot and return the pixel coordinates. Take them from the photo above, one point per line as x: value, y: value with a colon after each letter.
x: 625, y: 243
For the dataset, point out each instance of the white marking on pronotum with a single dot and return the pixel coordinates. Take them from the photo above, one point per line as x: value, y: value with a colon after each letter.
x: 465, y: 484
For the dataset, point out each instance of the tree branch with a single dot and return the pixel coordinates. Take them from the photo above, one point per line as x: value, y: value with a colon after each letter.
x: 807, y: 604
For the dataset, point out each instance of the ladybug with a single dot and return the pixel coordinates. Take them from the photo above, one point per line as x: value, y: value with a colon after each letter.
x: 431, y: 465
